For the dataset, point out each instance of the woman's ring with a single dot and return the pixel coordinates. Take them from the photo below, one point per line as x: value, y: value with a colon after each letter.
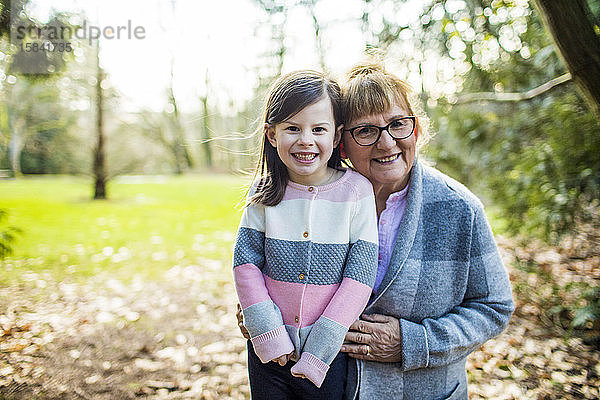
x: 368, y: 350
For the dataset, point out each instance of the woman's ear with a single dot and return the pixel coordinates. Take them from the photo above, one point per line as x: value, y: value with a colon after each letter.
x: 343, y: 154
x: 338, y: 135
x: 270, y: 134
x: 338, y: 139
x: 416, y: 129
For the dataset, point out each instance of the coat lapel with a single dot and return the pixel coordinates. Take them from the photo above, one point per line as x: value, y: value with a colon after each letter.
x: 407, y: 231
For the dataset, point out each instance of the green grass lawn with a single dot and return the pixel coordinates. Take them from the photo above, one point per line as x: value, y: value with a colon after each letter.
x: 148, y: 225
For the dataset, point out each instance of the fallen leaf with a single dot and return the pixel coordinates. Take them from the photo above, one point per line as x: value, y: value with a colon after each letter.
x: 90, y: 380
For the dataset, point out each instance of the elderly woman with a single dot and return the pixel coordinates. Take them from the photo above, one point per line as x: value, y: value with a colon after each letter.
x: 441, y: 288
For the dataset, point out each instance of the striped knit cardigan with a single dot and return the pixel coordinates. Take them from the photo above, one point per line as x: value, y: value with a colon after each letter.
x: 304, y: 270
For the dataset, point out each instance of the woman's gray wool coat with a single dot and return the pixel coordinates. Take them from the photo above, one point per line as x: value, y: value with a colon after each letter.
x: 447, y: 286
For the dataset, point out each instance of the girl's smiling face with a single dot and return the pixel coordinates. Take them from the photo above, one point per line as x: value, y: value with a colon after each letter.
x: 305, y: 142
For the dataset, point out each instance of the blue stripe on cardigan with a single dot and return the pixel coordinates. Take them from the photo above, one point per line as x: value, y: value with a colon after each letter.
x: 286, y: 260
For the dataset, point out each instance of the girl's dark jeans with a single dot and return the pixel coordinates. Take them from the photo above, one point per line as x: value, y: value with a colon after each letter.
x: 271, y: 381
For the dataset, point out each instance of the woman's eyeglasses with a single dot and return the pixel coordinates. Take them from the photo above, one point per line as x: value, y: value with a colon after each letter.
x: 399, y: 128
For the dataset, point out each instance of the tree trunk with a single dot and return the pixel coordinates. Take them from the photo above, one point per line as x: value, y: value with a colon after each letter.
x: 206, y: 126
x: 570, y: 22
x: 14, y: 150
x: 100, y: 175
x: 319, y: 40
x: 14, y: 127
x: 181, y: 152
x: 206, y: 133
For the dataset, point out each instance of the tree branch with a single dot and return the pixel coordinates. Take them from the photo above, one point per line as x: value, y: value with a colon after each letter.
x: 514, y: 97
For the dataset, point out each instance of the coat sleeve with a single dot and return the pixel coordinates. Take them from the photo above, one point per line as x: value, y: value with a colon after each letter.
x: 484, y: 312
x: 261, y: 316
x: 348, y: 302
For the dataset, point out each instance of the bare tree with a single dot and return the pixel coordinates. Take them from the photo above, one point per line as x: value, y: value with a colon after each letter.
x: 177, y: 143
x: 172, y: 134
x: 277, y: 14
x: 317, y: 27
x: 15, y: 126
x: 99, y: 167
x: 206, y: 136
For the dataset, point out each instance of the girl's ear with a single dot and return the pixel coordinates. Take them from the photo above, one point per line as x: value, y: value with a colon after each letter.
x: 270, y: 133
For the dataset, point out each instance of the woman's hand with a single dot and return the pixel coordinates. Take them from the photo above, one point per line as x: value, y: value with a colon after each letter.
x: 375, y: 337
x: 240, y: 318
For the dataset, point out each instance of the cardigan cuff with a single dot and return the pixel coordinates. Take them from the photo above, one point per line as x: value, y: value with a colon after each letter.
x: 415, y: 349
x: 272, y: 344
x: 312, y: 368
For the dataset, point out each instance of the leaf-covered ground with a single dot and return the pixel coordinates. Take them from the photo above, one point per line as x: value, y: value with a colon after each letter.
x: 178, y: 339
x: 536, y: 357
x: 108, y: 340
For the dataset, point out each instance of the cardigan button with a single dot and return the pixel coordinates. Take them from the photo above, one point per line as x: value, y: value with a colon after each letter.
x: 305, y: 234
x: 297, y: 319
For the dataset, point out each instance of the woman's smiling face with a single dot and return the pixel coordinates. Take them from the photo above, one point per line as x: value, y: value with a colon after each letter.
x: 387, y: 163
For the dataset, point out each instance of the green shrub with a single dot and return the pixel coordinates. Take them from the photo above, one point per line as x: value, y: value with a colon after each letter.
x: 8, y: 235
x: 589, y: 314
x: 539, y: 162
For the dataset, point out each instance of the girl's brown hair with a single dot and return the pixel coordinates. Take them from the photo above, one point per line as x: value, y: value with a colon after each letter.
x: 288, y: 96
x: 369, y: 90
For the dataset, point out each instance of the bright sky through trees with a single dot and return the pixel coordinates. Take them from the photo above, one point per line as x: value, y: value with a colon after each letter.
x: 225, y: 38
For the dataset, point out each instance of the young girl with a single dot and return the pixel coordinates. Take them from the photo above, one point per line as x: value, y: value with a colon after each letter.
x: 305, y: 256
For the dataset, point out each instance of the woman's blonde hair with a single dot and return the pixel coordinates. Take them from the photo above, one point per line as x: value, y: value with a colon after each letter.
x: 369, y: 89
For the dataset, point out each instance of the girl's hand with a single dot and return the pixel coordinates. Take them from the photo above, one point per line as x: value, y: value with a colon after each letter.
x: 240, y: 319
x: 375, y: 337
x: 283, y: 359
x: 298, y: 375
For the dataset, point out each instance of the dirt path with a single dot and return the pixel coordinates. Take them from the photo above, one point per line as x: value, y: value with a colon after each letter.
x: 178, y: 340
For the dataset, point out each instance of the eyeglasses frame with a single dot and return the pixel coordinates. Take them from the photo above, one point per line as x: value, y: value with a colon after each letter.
x: 413, y: 118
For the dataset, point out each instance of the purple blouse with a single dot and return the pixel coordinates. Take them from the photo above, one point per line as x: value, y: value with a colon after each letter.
x: 389, y: 223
